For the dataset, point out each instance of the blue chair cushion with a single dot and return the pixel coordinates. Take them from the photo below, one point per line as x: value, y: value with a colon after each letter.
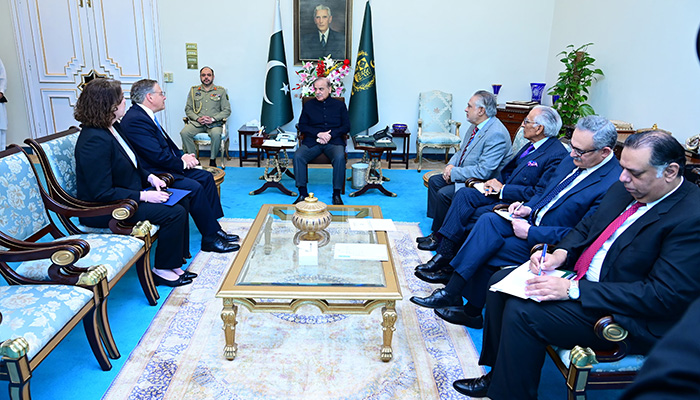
x: 38, y: 312
x: 435, y: 109
x: 60, y: 153
x: 438, y: 138
x: 204, y: 137
x: 112, y: 251
x: 631, y: 362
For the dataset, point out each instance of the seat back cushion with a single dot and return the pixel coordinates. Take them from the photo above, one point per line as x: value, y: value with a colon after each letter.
x: 435, y: 109
x: 60, y: 153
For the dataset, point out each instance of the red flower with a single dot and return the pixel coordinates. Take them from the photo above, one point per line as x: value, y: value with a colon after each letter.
x: 346, y: 62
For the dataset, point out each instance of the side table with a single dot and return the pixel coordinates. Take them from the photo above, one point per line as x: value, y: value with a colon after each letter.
x: 373, y: 175
x: 219, y: 175
x: 278, y: 164
x: 405, y: 136
x: 243, y: 132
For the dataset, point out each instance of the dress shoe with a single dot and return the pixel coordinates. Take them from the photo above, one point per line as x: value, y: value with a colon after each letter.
x: 212, y: 162
x: 438, y: 299
x: 181, y: 281
x: 429, y: 245
x: 421, y: 239
x: 337, y: 200
x: 227, y: 236
x: 190, y: 275
x: 442, y: 276
x: 300, y: 198
x: 218, y: 245
x: 435, y: 264
x: 475, y: 387
x: 456, y: 315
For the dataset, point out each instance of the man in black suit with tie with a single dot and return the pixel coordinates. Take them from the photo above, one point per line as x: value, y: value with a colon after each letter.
x: 577, y: 187
x: 160, y: 155
x: 635, y: 259
x: 324, y: 41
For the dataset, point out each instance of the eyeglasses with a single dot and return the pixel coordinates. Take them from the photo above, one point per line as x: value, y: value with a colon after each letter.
x: 580, y: 153
x: 160, y: 93
x: 527, y: 121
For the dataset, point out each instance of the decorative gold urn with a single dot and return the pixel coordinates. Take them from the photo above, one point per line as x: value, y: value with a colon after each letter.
x: 311, y: 218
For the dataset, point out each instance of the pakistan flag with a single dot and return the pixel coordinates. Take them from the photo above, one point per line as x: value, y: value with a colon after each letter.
x: 363, y: 100
x: 277, y: 100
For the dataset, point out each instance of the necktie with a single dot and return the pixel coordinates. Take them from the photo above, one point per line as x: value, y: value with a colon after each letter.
x: 323, y: 41
x: 584, y: 261
x: 158, y: 124
x: 551, y: 195
x: 464, y: 150
x: 164, y: 135
x: 528, y: 150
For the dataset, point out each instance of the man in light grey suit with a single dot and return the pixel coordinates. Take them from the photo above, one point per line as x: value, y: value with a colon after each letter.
x: 485, y: 150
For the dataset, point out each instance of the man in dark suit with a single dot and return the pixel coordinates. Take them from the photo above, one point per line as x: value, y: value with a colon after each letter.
x: 324, y: 41
x: 574, y: 192
x: 485, y: 150
x: 323, y: 123
x: 671, y: 372
x: 525, y: 174
x: 637, y: 257
x: 160, y: 155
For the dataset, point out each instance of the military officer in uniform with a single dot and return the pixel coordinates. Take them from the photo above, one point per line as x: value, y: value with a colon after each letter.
x: 207, y: 106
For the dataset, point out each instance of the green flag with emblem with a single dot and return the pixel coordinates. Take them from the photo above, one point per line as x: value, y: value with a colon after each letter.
x: 277, y: 100
x: 363, y: 100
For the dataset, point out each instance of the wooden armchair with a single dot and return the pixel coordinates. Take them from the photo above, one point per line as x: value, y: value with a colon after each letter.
x: 586, y: 368
x: 435, y: 124
x: 203, y: 139
x: 72, y: 294
x: 56, y: 154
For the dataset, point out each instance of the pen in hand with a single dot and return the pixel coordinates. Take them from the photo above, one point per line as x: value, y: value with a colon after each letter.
x: 516, y: 209
x: 544, y: 253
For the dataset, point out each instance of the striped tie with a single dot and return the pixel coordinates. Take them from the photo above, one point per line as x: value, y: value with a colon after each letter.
x: 464, y: 151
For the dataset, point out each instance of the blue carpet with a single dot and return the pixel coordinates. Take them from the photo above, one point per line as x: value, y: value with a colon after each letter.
x: 71, y: 371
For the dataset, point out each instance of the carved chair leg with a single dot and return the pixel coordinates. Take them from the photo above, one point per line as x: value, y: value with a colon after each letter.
x: 419, y: 156
x: 19, y: 374
x: 106, y: 332
x: 93, y: 336
x: 143, y: 271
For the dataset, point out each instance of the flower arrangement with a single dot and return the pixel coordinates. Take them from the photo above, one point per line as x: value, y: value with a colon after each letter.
x: 334, y: 70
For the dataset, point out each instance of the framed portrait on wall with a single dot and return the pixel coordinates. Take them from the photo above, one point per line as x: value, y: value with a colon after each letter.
x: 322, y: 28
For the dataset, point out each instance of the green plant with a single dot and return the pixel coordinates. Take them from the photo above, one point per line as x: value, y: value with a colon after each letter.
x: 573, y: 83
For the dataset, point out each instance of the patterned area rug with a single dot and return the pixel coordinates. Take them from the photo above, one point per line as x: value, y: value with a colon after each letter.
x: 308, y: 355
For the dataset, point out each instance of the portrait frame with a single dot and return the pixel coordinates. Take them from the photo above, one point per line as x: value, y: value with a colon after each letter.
x: 305, y: 30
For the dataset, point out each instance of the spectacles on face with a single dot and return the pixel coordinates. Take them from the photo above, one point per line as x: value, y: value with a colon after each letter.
x: 580, y: 153
x: 160, y: 93
x: 527, y: 121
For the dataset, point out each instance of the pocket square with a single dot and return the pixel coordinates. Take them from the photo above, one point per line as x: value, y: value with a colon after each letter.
x: 532, y: 164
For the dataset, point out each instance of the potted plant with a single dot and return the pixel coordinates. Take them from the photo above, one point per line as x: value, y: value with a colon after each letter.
x: 572, y: 85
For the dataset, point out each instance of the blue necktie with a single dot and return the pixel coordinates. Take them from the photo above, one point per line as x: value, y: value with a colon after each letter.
x: 158, y: 124
x: 551, y: 195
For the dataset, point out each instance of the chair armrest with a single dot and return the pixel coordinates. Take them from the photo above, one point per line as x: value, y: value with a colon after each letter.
x: 456, y: 124
x: 500, y: 206
x: 607, y: 329
x: 167, y: 178
x: 471, y: 181
x: 540, y: 246
x: 420, y: 127
x: 63, y: 255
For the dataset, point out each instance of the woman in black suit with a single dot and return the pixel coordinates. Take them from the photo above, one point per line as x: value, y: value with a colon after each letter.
x: 107, y: 170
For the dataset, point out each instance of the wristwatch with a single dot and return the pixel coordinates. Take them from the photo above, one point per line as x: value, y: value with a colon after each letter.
x: 573, y: 291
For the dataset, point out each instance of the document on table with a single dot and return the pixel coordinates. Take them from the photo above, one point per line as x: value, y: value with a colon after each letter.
x: 514, y: 283
x: 361, y: 251
x: 278, y: 143
x: 371, y: 224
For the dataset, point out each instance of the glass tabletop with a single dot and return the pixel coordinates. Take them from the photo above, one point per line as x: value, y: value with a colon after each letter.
x: 273, y: 258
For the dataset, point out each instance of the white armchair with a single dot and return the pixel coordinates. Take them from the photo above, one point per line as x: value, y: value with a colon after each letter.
x: 435, y: 124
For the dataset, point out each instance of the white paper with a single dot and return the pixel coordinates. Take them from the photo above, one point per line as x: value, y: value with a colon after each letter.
x: 371, y: 224
x: 503, y: 213
x: 308, y: 252
x: 276, y: 143
x: 514, y: 283
x: 479, y: 186
x: 360, y: 251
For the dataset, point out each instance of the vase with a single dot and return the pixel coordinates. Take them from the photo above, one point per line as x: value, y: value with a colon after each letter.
x: 311, y: 218
x: 537, y: 90
x: 496, y: 88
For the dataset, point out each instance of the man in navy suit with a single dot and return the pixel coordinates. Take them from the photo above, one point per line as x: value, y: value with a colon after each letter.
x: 526, y: 174
x: 574, y: 192
x: 635, y: 258
x: 160, y: 155
x: 324, y: 41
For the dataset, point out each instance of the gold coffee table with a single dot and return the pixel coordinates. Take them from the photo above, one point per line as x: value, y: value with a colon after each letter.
x: 266, y: 275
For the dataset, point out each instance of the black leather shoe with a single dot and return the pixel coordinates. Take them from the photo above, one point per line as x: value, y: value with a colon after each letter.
x: 219, y: 245
x: 439, y: 299
x: 421, y: 239
x: 212, y: 162
x: 189, y: 275
x: 429, y: 245
x: 435, y: 264
x: 442, y: 276
x: 456, y: 315
x: 475, y: 387
x: 337, y: 200
x: 181, y: 281
x: 227, y: 236
x: 299, y: 199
